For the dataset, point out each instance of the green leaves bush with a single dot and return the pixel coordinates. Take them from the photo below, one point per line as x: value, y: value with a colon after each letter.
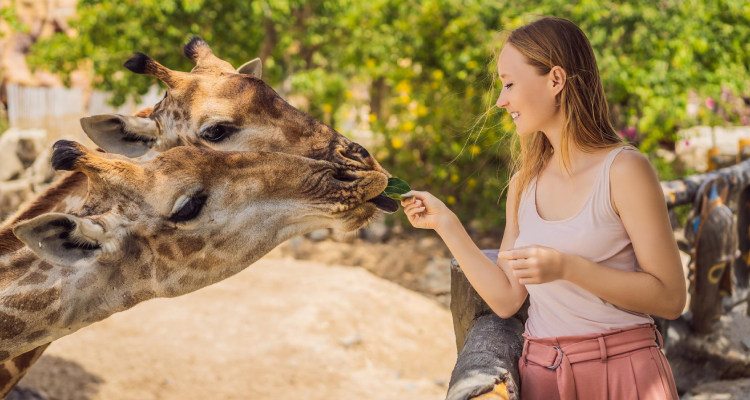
x: 425, y: 65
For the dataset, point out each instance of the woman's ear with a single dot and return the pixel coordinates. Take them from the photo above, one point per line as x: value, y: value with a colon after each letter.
x: 557, y: 79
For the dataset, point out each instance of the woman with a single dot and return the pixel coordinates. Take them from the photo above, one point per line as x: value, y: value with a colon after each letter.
x: 587, y: 236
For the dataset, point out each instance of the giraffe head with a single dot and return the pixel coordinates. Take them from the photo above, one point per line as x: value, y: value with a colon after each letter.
x: 215, y: 106
x: 195, y: 215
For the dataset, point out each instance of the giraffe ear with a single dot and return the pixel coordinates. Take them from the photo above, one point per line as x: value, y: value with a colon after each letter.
x: 62, y: 239
x: 253, y: 68
x: 120, y: 134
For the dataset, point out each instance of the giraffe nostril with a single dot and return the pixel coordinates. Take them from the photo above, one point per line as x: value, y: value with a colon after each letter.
x: 344, y: 177
x: 355, y: 152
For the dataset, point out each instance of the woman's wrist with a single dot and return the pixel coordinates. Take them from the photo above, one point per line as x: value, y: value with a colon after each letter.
x: 571, y: 267
x: 448, y: 223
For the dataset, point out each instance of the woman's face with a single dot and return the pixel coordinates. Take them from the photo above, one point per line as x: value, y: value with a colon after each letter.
x: 525, y: 94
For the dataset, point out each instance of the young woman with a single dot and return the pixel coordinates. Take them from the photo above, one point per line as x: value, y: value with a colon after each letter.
x: 587, y: 235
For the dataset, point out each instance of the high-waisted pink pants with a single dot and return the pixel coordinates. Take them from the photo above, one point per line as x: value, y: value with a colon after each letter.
x: 621, y: 364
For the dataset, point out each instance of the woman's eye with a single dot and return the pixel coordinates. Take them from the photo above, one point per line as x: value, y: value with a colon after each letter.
x: 189, y: 210
x: 508, y: 85
x: 216, y: 133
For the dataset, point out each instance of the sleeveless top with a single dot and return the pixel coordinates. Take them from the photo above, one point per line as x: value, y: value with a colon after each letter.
x: 596, y: 233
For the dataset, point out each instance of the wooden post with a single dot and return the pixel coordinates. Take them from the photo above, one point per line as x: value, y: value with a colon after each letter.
x: 488, y: 346
x: 712, y: 235
x: 713, y: 153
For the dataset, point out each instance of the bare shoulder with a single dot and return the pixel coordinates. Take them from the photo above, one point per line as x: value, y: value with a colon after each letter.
x: 632, y: 177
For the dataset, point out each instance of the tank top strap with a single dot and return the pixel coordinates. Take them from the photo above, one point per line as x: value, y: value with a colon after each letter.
x: 604, y: 185
x: 608, y: 163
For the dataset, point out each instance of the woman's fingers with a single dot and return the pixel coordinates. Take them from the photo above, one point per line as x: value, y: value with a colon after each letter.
x: 523, y: 273
x: 413, y: 210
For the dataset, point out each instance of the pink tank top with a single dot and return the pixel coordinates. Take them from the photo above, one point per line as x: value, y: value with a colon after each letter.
x: 595, y: 232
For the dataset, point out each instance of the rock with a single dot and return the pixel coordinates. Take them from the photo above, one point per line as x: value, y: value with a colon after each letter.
x: 746, y: 343
x: 318, y: 235
x: 436, y: 277
x: 344, y: 237
x: 720, y: 390
x: 21, y: 393
x: 427, y: 242
x: 12, y: 195
x: 10, y: 166
x: 41, y: 171
x: 351, y: 340
x: 376, y: 232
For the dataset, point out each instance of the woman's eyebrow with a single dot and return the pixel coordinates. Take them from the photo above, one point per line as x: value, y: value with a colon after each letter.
x: 504, y: 75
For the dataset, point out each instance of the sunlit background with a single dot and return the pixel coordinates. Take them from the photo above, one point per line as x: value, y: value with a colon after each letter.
x: 410, y: 80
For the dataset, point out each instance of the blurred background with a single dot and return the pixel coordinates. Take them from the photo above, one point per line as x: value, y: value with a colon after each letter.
x: 410, y: 80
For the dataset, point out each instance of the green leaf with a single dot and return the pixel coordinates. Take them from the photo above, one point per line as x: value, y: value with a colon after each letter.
x: 396, y: 189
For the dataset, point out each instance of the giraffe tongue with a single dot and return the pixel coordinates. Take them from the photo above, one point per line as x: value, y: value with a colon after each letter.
x: 384, y: 203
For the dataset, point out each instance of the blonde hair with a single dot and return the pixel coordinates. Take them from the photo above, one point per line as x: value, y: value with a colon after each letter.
x: 549, y: 42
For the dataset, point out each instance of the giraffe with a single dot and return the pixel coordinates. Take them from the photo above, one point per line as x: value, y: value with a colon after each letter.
x: 164, y: 227
x: 213, y: 106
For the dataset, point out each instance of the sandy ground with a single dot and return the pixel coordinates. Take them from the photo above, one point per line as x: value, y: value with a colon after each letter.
x: 281, y: 329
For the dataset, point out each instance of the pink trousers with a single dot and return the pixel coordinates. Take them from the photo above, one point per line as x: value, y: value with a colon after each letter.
x: 615, y: 365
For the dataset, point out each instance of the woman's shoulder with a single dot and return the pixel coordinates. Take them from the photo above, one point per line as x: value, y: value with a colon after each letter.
x: 628, y: 162
x: 632, y: 177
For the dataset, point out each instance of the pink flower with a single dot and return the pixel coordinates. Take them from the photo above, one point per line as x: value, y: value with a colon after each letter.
x: 710, y: 103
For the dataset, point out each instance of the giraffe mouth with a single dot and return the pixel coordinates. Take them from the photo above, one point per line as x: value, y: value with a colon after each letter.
x: 384, y: 203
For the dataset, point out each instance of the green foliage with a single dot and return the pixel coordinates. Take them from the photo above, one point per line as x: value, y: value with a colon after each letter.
x: 9, y: 15
x: 396, y: 189
x: 425, y: 65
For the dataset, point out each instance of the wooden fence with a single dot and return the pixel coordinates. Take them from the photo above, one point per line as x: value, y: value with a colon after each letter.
x: 58, y: 110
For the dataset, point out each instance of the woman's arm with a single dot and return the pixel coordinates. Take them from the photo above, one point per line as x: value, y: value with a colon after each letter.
x: 660, y: 288
x: 495, y: 283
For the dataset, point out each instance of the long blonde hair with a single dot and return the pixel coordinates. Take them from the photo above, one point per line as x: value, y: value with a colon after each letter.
x: 549, y: 42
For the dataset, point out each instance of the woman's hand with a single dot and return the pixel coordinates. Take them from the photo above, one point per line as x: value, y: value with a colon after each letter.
x: 426, y: 211
x: 536, y: 264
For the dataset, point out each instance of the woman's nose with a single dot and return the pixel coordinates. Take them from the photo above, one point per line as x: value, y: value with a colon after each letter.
x: 501, y: 102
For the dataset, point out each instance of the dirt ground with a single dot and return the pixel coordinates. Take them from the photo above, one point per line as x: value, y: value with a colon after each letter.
x: 281, y: 329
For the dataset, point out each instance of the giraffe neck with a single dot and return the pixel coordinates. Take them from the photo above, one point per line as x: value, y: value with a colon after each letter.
x: 41, y: 302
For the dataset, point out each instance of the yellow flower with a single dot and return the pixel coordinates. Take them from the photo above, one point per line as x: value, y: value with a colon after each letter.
x: 370, y: 63
x: 403, y: 87
x: 454, y: 178
x: 348, y: 94
x: 373, y: 118
x: 472, y: 182
x: 407, y: 126
x: 475, y: 149
x: 437, y: 75
x: 327, y: 107
x: 421, y: 110
x: 397, y: 143
x: 382, y: 154
x: 451, y: 200
x: 471, y: 64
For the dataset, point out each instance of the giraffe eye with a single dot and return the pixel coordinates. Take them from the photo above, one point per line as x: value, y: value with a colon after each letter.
x: 217, y: 133
x: 190, y: 209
